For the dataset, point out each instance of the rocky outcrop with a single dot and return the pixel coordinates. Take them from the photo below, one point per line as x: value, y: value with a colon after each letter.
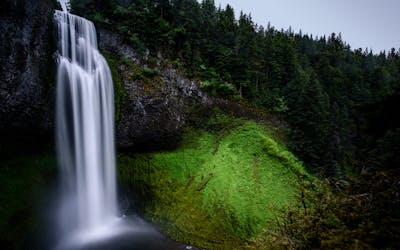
x: 26, y: 67
x: 154, y: 108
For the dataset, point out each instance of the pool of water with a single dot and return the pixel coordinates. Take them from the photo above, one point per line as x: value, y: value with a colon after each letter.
x: 131, y: 233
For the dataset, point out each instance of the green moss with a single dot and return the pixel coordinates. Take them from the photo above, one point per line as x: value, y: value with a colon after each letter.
x: 150, y: 73
x: 118, y: 86
x: 21, y: 179
x: 138, y: 72
x: 220, y: 187
x: 152, y: 61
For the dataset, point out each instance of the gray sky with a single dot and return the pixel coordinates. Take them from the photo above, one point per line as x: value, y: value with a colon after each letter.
x: 363, y: 23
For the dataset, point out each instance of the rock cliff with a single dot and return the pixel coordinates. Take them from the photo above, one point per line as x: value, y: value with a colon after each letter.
x: 153, y: 108
x: 26, y: 68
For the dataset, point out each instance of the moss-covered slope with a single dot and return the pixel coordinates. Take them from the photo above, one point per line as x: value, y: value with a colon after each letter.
x: 220, y: 187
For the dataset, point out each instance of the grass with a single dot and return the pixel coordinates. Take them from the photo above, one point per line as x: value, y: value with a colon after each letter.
x: 222, y: 186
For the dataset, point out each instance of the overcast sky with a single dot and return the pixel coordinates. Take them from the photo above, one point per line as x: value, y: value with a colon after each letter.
x: 363, y: 23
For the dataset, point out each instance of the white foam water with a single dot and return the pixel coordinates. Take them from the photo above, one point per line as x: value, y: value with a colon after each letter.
x: 84, y: 130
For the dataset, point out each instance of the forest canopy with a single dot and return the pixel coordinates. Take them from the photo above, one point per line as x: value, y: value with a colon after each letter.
x: 329, y: 94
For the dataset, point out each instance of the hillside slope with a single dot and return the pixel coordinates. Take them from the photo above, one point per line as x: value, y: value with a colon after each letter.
x: 222, y: 186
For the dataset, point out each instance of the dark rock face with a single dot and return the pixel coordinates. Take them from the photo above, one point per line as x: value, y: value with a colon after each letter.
x: 153, y: 111
x: 26, y: 67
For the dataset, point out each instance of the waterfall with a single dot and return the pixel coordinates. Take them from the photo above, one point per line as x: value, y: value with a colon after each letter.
x: 84, y: 127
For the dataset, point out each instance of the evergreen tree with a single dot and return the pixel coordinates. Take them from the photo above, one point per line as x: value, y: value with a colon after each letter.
x: 317, y: 84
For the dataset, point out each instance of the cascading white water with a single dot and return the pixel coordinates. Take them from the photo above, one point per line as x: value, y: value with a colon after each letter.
x: 84, y: 127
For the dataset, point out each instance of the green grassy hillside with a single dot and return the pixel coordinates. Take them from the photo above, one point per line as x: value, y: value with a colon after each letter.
x: 223, y: 185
